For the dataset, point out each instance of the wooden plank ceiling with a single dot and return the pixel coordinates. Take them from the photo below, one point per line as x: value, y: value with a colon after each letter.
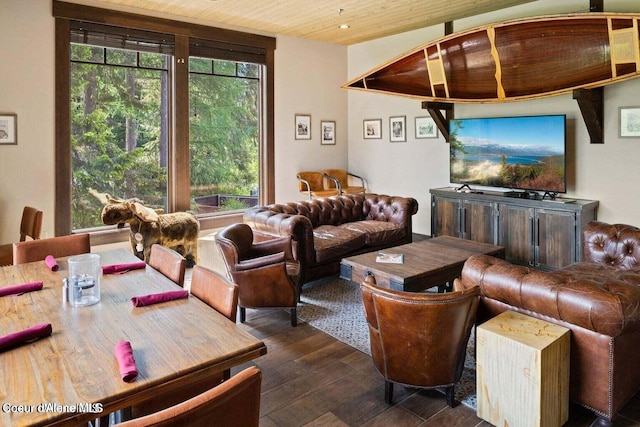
x: 315, y: 19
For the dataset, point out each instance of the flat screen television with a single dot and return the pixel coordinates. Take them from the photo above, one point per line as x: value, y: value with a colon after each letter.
x: 517, y: 153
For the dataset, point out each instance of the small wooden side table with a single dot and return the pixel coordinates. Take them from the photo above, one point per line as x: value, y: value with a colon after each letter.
x: 522, y: 374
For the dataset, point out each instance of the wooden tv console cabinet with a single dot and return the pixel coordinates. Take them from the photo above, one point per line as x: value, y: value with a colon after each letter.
x: 545, y: 234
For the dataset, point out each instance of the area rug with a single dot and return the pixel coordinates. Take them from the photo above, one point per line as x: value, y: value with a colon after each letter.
x: 334, y: 306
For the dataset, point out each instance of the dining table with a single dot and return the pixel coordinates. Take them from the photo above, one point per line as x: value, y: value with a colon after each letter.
x: 72, y: 376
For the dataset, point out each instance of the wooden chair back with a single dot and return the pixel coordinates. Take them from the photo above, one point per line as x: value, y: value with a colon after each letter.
x: 235, y: 402
x: 31, y: 223
x: 61, y: 246
x: 215, y: 290
x: 168, y: 262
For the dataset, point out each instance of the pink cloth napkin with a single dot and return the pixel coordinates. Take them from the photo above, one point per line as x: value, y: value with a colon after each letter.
x: 30, y: 334
x: 126, y: 362
x: 161, y: 297
x: 51, y: 263
x: 123, y: 268
x: 20, y: 289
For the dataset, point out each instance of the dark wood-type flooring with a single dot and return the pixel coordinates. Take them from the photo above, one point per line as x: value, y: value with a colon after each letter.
x: 312, y: 379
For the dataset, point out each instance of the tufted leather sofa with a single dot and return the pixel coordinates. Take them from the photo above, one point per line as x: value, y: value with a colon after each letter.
x: 325, y: 230
x: 598, y: 299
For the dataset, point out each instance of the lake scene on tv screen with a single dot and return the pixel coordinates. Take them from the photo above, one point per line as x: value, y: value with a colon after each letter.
x: 526, y: 153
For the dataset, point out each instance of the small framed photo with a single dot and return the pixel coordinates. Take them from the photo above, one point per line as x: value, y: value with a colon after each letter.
x: 372, y: 129
x: 397, y: 129
x: 9, y: 129
x: 629, y: 122
x: 327, y: 132
x: 303, y: 126
x: 426, y: 128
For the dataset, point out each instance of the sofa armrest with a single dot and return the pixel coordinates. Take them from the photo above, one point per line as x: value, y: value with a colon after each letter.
x: 263, y: 261
x: 394, y: 209
x: 298, y: 228
x: 271, y: 246
x: 598, y: 302
x: 611, y: 244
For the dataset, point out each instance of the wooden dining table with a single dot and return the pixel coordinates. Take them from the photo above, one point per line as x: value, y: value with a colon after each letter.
x: 72, y: 376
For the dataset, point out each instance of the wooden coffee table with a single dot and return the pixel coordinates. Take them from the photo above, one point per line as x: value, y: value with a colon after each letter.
x: 428, y: 263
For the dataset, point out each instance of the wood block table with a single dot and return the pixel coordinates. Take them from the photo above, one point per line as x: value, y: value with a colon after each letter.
x: 428, y: 263
x: 522, y: 371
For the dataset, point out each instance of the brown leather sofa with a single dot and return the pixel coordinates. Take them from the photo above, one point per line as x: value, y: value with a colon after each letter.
x: 325, y: 230
x: 598, y: 300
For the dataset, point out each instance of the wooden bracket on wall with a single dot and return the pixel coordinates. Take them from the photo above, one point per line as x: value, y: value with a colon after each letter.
x: 596, y: 5
x: 591, y: 105
x: 442, y: 121
x: 435, y: 108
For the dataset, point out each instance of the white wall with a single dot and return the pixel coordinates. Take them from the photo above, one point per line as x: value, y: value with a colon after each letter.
x: 604, y: 172
x: 27, y: 89
x: 308, y: 79
x: 308, y: 76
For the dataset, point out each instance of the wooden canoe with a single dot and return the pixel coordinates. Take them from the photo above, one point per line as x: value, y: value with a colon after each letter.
x: 514, y: 60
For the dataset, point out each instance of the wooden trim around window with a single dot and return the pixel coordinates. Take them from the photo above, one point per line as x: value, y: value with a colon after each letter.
x: 62, y: 215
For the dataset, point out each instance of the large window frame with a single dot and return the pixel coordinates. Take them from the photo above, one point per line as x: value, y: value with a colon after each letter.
x: 179, y: 182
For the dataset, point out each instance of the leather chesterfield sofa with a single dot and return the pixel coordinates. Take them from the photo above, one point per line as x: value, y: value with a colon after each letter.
x: 598, y: 300
x: 325, y: 230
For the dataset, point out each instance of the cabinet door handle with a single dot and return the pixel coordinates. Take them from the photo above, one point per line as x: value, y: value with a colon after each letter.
x: 531, y: 236
x: 463, y: 222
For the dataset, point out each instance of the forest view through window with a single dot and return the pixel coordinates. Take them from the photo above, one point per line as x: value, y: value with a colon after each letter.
x: 121, y: 121
x: 224, y: 107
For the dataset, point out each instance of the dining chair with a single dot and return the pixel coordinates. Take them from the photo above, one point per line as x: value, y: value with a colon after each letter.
x: 419, y: 339
x: 215, y: 290
x: 265, y: 272
x: 342, y: 177
x: 235, y: 402
x: 220, y: 294
x: 61, y: 246
x: 30, y: 227
x: 168, y: 262
x: 312, y: 183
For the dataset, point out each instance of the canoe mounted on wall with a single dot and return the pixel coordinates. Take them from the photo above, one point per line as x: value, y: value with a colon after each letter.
x: 514, y: 60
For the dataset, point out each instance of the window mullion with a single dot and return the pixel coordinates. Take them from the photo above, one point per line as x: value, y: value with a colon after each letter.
x: 180, y: 194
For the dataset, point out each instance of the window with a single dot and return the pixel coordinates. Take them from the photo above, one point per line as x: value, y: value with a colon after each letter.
x: 224, y: 130
x: 135, y: 119
x: 119, y: 122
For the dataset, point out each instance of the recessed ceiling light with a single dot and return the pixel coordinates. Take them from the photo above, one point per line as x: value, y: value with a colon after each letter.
x: 344, y: 26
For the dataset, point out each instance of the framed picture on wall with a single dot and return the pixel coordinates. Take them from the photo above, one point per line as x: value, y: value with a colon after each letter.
x: 8, y: 129
x: 629, y: 122
x: 303, y: 126
x: 372, y: 129
x: 426, y: 128
x: 397, y: 129
x: 327, y: 132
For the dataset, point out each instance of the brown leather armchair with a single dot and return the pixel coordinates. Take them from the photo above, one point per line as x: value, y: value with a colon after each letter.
x: 339, y: 178
x: 312, y: 183
x: 265, y: 272
x: 419, y: 339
